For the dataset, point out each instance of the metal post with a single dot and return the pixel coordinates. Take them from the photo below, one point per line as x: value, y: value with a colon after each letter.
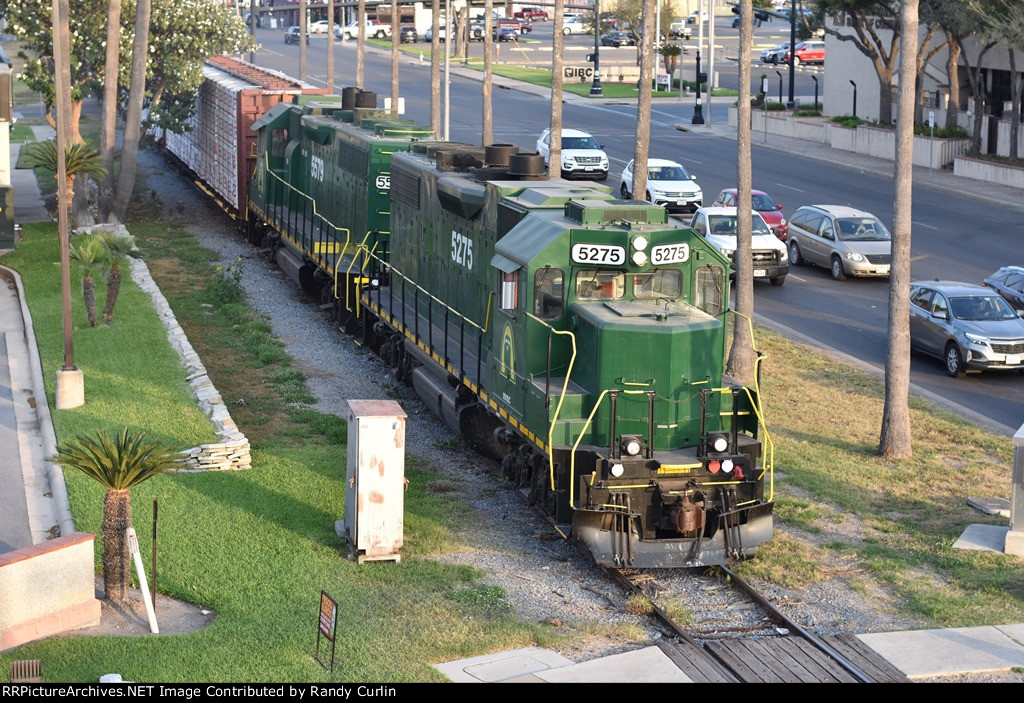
x: 815, y: 79
x: 711, y: 57
x: 698, y: 109
x: 779, y: 74
x: 595, y: 87
x: 153, y: 550
x: 657, y: 38
x: 792, y: 54
x: 854, y: 98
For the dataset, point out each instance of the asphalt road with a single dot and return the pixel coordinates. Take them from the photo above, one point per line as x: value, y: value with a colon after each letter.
x: 956, y: 237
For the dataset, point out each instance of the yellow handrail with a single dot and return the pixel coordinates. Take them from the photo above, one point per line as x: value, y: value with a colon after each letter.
x: 348, y: 234
x: 561, y: 398
x: 348, y: 271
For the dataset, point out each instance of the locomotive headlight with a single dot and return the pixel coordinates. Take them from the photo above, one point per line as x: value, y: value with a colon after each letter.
x: 639, y: 258
x: 719, y: 443
x: 727, y: 465
x: 640, y: 243
x: 631, y: 445
x: 375, y: 282
x: 618, y: 470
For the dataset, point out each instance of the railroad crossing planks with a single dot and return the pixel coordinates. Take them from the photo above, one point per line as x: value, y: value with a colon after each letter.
x: 778, y: 660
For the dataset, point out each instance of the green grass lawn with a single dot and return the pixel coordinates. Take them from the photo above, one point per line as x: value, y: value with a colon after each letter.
x: 256, y: 547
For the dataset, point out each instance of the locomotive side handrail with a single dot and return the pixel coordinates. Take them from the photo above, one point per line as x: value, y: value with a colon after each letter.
x: 561, y: 398
x: 311, y: 201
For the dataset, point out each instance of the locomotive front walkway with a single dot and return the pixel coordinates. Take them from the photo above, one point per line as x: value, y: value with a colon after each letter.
x: 885, y: 657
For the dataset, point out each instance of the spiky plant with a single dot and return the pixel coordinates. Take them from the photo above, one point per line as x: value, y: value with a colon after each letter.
x: 91, y: 255
x: 117, y: 248
x: 119, y: 464
x: 79, y: 159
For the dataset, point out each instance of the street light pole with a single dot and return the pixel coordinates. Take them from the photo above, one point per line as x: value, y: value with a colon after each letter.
x: 698, y: 109
x: 595, y: 87
x: 792, y: 54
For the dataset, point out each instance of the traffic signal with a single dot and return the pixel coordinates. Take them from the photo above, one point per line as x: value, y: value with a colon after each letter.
x: 761, y: 14
x: 590, y: 58
x: 735, y: 9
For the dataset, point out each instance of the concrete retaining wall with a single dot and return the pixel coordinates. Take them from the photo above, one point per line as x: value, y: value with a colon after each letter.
x: 988, y: 171
x: 46, y: 589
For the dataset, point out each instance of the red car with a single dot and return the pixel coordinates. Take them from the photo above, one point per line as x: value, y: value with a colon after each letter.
x: 532, y: 13
x: 807, y: 52
x: 763, y: 203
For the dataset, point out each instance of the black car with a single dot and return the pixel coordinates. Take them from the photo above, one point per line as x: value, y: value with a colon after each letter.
x: 1009, y: 283
x: 408, y: 35
x: 291, y: 36
x: 617, y: 39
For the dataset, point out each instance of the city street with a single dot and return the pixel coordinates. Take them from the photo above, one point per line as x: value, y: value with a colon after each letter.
x: 956, y: 237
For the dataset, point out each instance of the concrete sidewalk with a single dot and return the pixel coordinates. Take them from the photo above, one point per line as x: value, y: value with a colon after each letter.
x: 919, y: 654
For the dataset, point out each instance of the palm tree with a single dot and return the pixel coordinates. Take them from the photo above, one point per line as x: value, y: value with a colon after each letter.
x: 117, y: 248
x: 91, y: 256
x: 79, y: 159
x: 120, y: 465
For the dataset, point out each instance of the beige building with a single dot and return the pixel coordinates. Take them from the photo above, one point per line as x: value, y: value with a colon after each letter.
x: 845, y: 63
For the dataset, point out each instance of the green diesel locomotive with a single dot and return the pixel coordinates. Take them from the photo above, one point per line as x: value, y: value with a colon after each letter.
x: 577, y: 338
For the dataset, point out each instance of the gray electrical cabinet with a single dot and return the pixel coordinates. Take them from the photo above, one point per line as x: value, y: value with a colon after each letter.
x: 374, y: 480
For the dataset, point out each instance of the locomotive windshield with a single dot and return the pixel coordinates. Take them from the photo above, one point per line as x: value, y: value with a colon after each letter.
x: 600, y: 284
x: 660, y: 284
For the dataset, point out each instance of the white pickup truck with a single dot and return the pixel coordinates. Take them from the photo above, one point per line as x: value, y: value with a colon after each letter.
x: 679, y: 29
x: 374, y: 28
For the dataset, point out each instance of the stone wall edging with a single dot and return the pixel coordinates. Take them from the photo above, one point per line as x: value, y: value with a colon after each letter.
x: 233, y: 452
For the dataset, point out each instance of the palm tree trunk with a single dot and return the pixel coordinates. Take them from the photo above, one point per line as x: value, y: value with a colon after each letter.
x: 396, y: 37
x: 741, y: 355
x: 108, y: 136
x: 361, y: 44
x: 895, y: 435
x: 133, y: 120
x: 555, y: 140
x: 113, y: 290
x: 643, y: 103
x: 89, y: 296
x: 117, y: 518
x: 488, y: 125
x: 435, y: 68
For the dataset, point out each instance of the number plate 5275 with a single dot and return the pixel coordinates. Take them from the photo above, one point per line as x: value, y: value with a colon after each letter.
x: 609, y: 254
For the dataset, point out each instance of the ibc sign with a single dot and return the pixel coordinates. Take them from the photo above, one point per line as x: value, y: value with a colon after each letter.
x: 581, y: 73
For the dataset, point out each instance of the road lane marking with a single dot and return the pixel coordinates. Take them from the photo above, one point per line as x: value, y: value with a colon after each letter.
x: 919, y: 257
x: 921, y: 224
x: 797, y: 278
x: 783, y: 185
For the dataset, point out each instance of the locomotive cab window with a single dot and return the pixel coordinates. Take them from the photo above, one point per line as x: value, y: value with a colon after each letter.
x: 509, y: 292
x: 707, y: 289
x: 600, y: 284
x: 548, y: 293
x: 660, y: 284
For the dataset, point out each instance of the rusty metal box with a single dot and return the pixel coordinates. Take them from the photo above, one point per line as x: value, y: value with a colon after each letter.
x: 374, y: 480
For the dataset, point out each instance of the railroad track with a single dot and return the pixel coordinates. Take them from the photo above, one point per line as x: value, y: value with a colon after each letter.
x: 797, y: 656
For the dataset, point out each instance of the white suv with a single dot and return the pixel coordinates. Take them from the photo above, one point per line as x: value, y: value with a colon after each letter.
x: 668, y: 185
x: 718, y: 226
x: 582, y: 156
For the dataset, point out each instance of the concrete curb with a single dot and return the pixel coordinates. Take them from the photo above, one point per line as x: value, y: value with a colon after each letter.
x: 54, y: 470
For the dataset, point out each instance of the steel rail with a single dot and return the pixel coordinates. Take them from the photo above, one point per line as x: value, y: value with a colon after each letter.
x: 659, y: 612
x: 784, y: 620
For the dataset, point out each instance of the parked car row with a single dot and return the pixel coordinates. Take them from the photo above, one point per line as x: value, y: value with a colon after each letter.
x: 969, y: 327
x: 812, y: 51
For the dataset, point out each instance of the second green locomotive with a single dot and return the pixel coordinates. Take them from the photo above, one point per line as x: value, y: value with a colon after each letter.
x: 577, y: 338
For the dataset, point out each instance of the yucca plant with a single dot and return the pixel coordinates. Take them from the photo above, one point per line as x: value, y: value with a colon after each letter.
x: 119, y: 464
x: 117, y: 249
x: 91, y: 255
x: 79, y: 159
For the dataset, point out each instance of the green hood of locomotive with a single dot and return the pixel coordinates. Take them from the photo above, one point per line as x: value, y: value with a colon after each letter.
x: 677, y: 347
